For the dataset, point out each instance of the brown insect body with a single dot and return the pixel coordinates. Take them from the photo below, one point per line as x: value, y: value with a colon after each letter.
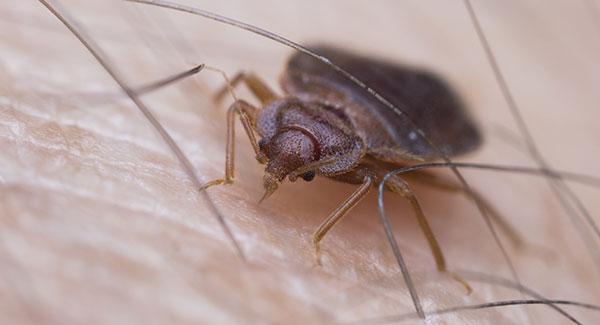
x: 328, y: 126
x: 327, y: 116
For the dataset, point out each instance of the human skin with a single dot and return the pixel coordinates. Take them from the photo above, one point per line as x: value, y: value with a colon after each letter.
x: 100, y: 224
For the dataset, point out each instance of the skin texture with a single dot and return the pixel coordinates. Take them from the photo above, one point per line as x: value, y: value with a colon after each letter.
x: 99, y: 224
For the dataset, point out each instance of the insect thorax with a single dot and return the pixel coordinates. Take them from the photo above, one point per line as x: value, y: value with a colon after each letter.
x: 295, y: 133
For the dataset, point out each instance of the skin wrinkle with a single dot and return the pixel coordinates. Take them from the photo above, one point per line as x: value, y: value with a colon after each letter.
x: 149, y: 168
x: 195, y: 277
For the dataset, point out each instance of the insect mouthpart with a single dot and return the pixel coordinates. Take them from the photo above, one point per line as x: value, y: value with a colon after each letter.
x: 270, y: 183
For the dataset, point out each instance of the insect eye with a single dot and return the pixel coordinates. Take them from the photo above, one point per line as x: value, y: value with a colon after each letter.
x: 308, y: 176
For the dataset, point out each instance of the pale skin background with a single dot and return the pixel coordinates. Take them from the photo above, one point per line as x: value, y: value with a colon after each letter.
x: 99, y: 224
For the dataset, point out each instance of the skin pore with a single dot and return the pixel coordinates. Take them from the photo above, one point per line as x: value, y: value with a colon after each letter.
x: 99, y: 223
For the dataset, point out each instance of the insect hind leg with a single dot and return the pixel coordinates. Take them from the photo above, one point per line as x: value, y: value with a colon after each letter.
x: 440, y: 183
x: 336, y: 216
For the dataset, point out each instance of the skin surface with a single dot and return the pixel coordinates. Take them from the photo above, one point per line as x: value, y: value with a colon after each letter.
x: 99, y: 224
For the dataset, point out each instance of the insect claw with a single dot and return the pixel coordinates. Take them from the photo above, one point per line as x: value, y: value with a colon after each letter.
x: 270, y: 183
x: 266, y: 195
x: 461, y: 281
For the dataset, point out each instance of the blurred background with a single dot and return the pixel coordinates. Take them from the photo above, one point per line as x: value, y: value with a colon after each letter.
x: 99, y: 224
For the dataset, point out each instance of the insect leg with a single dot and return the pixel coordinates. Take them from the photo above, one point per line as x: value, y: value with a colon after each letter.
x: 446, y: 185
x: 247, y: 114
x: 339, y: 213
x: 398, y: 185
x: 256, y: 85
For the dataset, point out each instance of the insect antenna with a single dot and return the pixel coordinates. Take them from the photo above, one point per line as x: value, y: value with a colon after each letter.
x: 97, y: 53
x: 558, y: 187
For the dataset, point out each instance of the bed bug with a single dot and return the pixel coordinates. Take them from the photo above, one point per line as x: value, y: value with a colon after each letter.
x: 325, y: 125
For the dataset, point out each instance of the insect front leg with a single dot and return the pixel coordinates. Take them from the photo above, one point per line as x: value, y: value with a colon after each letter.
x: 247, y: 114
x: 337, y: 215
x: 398, y: 185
